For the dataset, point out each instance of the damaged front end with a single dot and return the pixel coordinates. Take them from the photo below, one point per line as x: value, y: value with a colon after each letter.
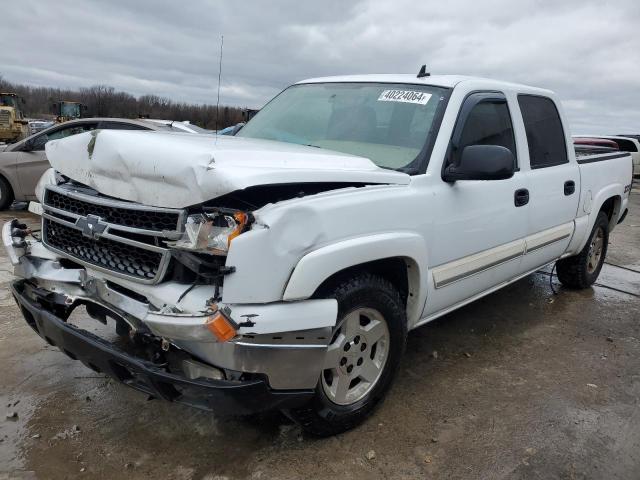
x: 158, y: 274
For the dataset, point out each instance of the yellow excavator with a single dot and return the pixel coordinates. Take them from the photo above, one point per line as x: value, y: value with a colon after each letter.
x: 13, y: 126
x: 65, y: 110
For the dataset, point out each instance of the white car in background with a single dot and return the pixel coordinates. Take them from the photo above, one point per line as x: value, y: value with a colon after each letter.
x: 626, y: 144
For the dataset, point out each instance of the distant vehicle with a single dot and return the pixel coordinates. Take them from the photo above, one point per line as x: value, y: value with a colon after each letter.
x: 596, y: 142
x: 183, y: 126
x: 13, y: 126
x: 231, y: 130
x: 249, y: 113
x: 66, y: 110
x: 625, y: 143
x: 23, y: 163
x: 592, y: 149
x: 36, y: 126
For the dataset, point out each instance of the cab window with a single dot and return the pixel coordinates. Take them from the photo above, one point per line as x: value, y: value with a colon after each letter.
x: 486, y: 122
x: 545, y: 135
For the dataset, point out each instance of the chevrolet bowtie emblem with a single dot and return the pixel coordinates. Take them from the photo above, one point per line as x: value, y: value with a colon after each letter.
x: 91, y: 226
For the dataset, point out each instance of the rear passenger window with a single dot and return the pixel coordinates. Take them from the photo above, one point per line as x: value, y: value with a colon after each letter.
x: 545, y: 135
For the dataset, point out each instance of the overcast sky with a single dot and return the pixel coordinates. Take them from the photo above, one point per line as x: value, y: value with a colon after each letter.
x: 587, y: 51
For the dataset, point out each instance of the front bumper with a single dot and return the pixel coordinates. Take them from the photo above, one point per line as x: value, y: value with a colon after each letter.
x: 221, y: 396
x: 279, y: 348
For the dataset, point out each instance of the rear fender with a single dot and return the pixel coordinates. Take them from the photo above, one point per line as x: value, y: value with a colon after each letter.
x: 591, y: 206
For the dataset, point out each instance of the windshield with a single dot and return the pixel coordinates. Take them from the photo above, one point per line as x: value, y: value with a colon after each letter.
x: 8, y: 101
x: 386, y: 123
x: 70, y: 110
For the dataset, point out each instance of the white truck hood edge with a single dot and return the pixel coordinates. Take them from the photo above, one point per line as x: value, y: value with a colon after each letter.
x: 178, y: 170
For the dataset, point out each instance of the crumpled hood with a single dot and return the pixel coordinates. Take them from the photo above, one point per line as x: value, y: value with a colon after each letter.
x: 178, y: 170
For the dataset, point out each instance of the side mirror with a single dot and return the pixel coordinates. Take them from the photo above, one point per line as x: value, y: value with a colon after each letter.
x: 34, y: 143
x: 27, y: 146
x: 482, y: 162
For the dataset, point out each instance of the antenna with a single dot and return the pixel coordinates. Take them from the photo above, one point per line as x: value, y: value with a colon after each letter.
x: 219, y: 77
x: 423, y: 72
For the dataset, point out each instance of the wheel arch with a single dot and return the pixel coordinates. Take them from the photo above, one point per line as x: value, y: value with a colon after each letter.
x: 401, y: 258
x: 612, y: 206
x: 608, y: 200
x: 7, y: 179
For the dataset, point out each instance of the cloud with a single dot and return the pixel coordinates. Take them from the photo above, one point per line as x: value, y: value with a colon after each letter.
x: 585, y: 50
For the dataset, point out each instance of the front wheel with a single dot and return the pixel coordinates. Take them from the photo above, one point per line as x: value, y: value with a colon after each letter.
x: 362, y: 358
x: 582, y: 270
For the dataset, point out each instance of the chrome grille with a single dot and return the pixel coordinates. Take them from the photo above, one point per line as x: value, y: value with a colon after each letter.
x: 123, y: 238
x: 127, y: 216
x: 104, y: 253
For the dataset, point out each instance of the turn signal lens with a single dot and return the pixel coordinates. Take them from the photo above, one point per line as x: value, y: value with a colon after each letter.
x: 241, y: 219
x: 221, y: 328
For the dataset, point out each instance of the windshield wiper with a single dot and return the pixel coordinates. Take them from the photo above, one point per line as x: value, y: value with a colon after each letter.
x: 408, y: 170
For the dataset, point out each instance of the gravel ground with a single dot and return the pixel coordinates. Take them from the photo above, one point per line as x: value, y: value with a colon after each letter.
x: 521, y: 384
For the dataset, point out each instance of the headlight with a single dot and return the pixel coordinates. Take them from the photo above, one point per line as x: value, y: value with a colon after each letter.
x: 211, y: 232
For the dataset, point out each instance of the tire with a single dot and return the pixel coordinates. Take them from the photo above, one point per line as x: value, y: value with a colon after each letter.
x: 6, y: 194
x: 369, y: 307
x: 582, y: 270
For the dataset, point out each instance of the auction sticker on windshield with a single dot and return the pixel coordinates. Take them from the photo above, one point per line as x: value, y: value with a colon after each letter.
x: 404, y: 96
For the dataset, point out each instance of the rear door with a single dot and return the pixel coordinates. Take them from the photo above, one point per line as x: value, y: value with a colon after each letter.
x: 32, y: 164
x: 554, y: 182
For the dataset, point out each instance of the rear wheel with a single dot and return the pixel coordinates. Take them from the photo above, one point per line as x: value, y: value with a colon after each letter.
x: 362, y: 357
x: 6, y: 194
x: 582, y: 270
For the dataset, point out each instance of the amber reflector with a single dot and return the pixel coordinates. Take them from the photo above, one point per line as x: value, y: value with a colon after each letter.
x: 221, y: 327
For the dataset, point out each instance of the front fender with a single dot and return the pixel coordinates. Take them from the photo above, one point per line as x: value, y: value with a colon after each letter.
x: 315, y: 267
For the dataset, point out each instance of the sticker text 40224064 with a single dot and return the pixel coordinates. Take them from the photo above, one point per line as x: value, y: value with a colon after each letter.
x: 404, y: 96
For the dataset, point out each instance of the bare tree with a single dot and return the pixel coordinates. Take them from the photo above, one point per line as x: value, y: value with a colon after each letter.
x: 105, y: 101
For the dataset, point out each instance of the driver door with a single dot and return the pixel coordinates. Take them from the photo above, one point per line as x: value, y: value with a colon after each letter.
x: 478, y: 234
x: 32, y: 163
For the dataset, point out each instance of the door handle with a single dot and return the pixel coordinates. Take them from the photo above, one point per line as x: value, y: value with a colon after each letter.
x: 521, y: 197
x: 569, y: 187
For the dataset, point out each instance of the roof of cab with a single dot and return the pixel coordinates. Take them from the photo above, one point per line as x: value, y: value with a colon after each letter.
x: 447, y: 81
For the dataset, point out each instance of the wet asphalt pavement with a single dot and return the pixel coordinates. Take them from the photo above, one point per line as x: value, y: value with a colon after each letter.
x: 522, y: 384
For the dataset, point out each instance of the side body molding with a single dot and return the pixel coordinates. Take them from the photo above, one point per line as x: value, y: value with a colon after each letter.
x: 320, y: 264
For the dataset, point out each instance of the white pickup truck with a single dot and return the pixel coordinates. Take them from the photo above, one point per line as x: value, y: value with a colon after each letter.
x: 283, y: 267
